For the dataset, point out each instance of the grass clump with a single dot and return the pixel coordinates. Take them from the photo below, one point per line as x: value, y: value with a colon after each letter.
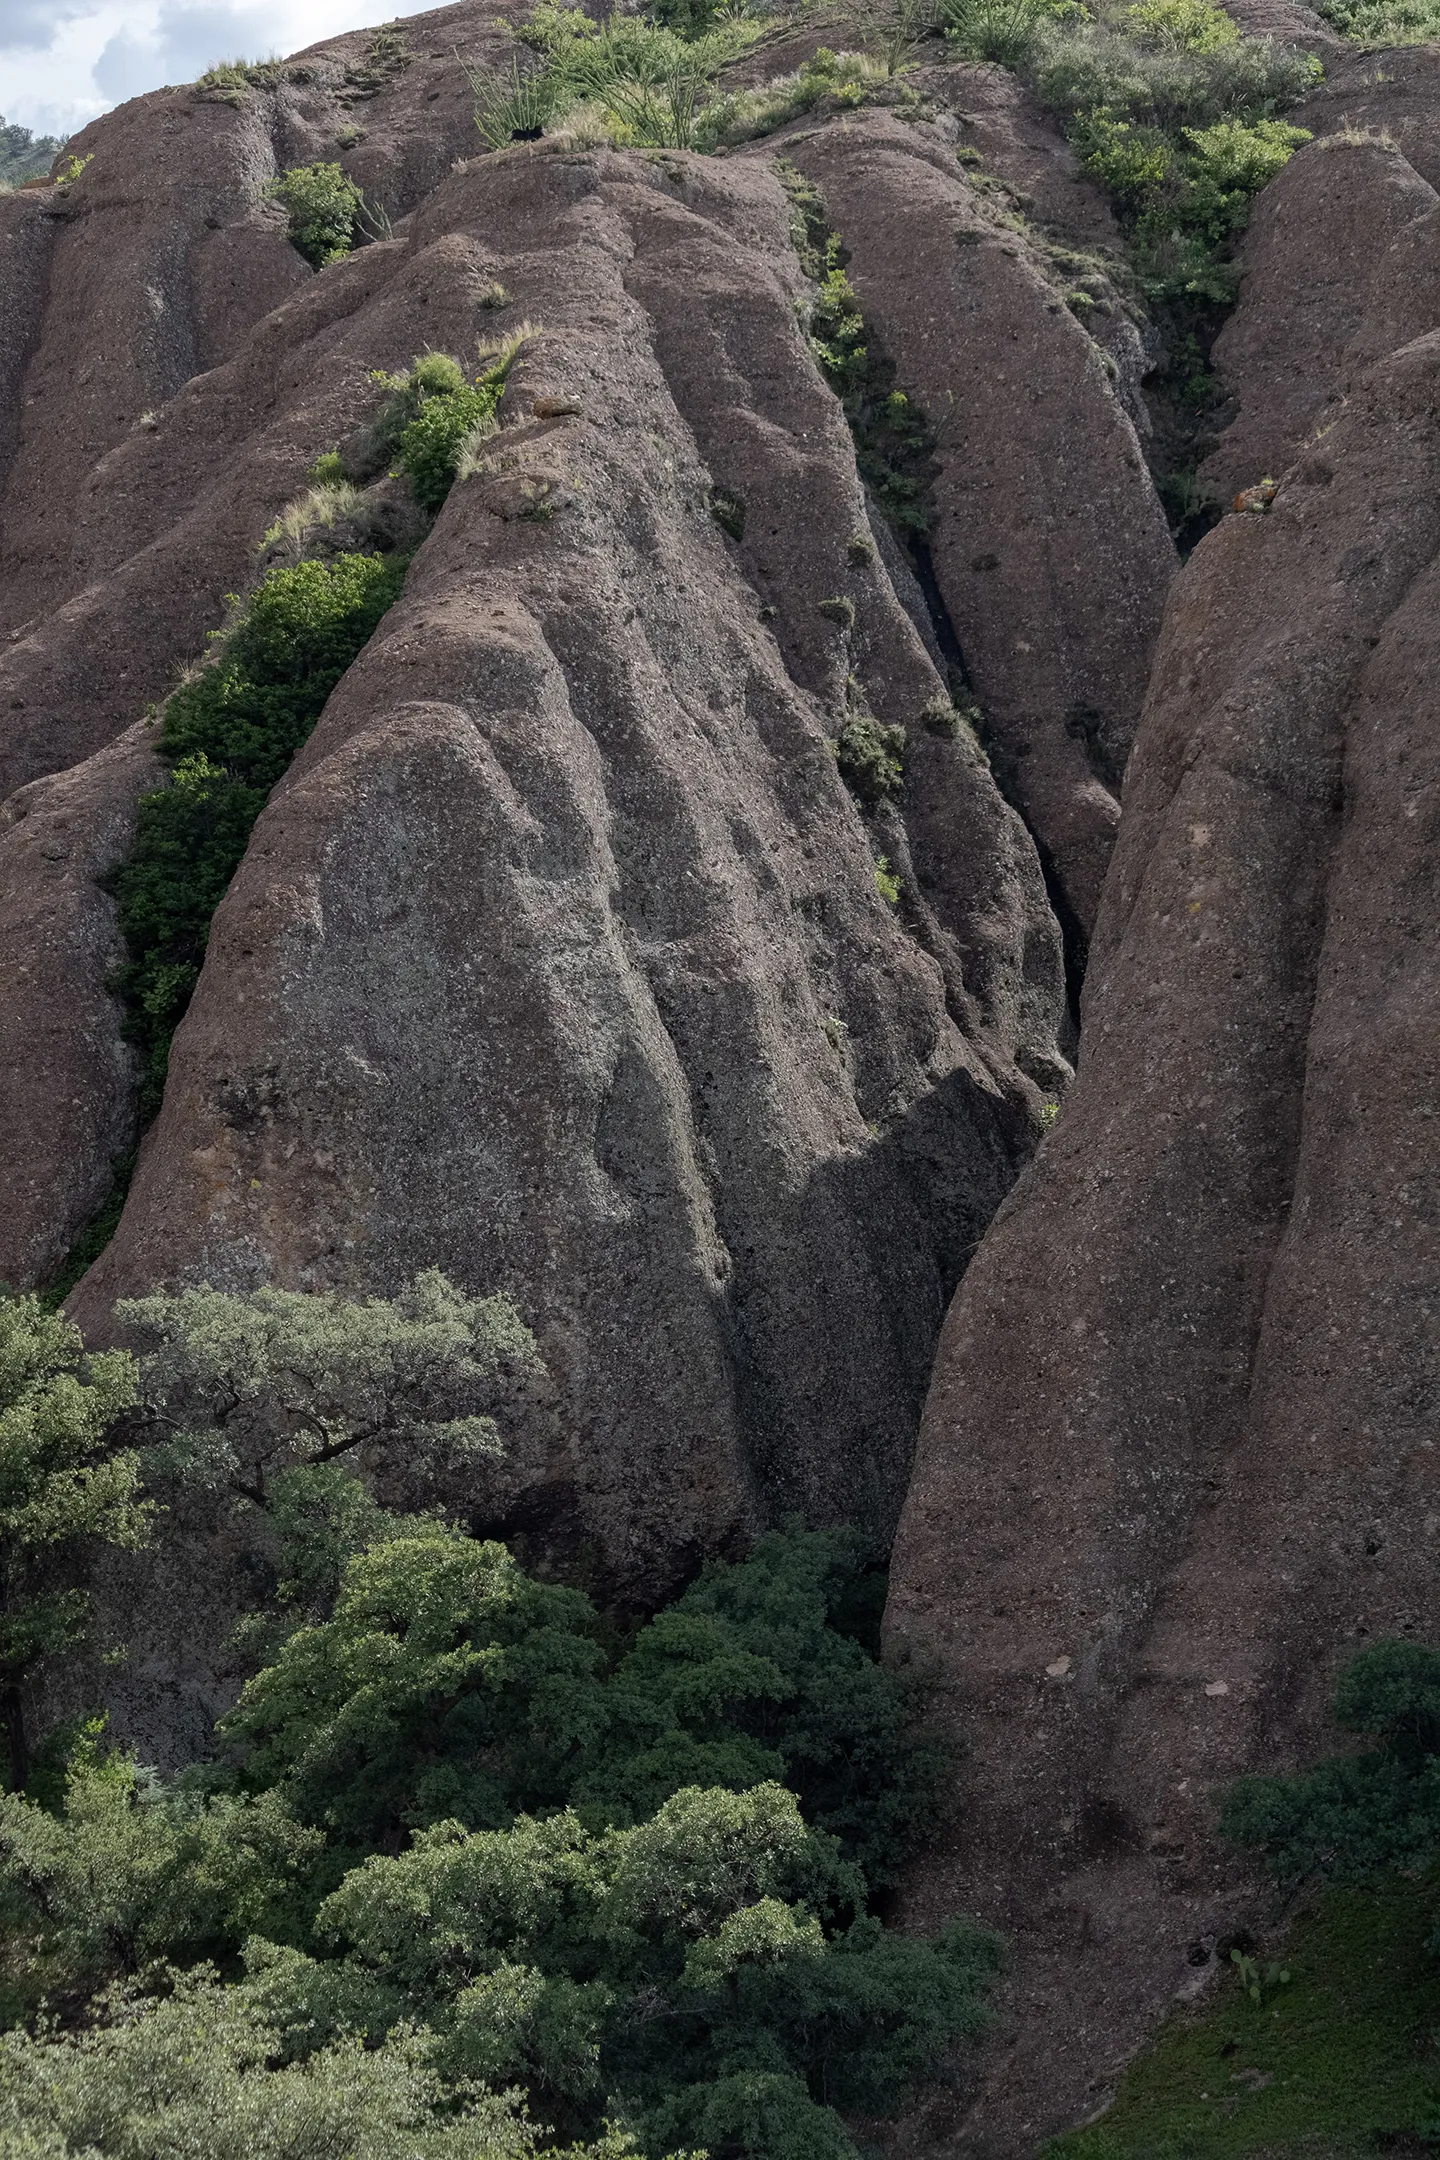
x: 645, y: 84
x: 435, y: 416
x: 229, y: 82
x: 228, y: 734
x: 1338, y: 2051
x: 1340, y: 2062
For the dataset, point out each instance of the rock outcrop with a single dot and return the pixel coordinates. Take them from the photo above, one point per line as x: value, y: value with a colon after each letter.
x: 1178, y: 1459
x: 559, y: 958
x: 1044, y: 511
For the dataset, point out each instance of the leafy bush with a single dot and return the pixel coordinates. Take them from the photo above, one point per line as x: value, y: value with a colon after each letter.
x: 324, y: 209
x: 1175, y: 114
x: 229, y: 733
x: 1384, y: 22
x: 761, y: 1670
x: 59, y: 1483
x: 871, y: 757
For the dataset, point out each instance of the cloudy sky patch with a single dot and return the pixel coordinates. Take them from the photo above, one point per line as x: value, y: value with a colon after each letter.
x: 64, y: 61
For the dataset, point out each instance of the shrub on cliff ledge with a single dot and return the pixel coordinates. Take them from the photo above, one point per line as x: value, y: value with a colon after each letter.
x: 229, y: 733
x: 324, y: 210
x: 435, y: 413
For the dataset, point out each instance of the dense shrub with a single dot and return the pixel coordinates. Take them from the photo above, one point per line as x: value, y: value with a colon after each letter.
x: 1384, y: 22
x: 324, y: 211
x: 1357, y: 1815
x: 434, y: 413
x: 1176, y: 115
x: 229, y: 733
x: 871, y: 757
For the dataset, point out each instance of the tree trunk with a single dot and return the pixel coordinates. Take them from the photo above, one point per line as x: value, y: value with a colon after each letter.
x: 12, y: 1708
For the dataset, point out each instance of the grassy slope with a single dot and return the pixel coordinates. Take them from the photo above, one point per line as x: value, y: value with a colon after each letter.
x: 1345, y: 2060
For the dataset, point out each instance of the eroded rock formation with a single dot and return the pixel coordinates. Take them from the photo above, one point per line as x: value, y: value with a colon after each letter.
x: 1178, y: 1459
x: 559, y: 957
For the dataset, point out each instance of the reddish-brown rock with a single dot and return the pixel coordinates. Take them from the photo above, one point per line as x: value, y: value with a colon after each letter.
x: 1048, y: 544
x: 66, y: 1079
x: 558, y: 959
x: 1177, y: 1460
x: 1335, y: 226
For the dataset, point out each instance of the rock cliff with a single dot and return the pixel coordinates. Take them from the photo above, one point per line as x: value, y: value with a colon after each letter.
x: 570, y: 955
x: 559, y: 957
x: 1178, y: 1458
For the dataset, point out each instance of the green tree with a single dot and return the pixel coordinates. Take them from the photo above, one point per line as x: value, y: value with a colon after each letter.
x: 764, y: 1668
x: 61, y: 1482
x: 240, y: 1387
x: 447, y: 1684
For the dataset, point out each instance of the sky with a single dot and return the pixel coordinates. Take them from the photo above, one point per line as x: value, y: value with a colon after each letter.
x: 64, y: 61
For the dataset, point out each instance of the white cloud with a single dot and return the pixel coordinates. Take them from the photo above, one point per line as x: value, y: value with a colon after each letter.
x: 68, y: 60
x: 31, y: 25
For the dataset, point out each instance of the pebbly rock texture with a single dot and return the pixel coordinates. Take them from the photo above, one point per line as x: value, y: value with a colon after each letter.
x: 117, y: 543
x: 558, y: 959
x: 66, y: 1078
x: 1331, y: 281
x: 1049, y: 548
x: 1178, y: 1459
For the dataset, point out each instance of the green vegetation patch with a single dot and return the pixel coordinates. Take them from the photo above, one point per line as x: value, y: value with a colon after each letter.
x: 1338, y: 2051
x: 229, y: 733
x: 435, y: 413
x: 326, y: 212
x: 1179, y: 117
x: 1341, y: 2061
x: 456, y: 1829
x: 894, y: 444
x: 1384, y: 22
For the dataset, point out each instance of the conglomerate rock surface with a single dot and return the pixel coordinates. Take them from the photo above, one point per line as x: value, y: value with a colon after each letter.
x: 1179, y: 1458
x: 559, y: 958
